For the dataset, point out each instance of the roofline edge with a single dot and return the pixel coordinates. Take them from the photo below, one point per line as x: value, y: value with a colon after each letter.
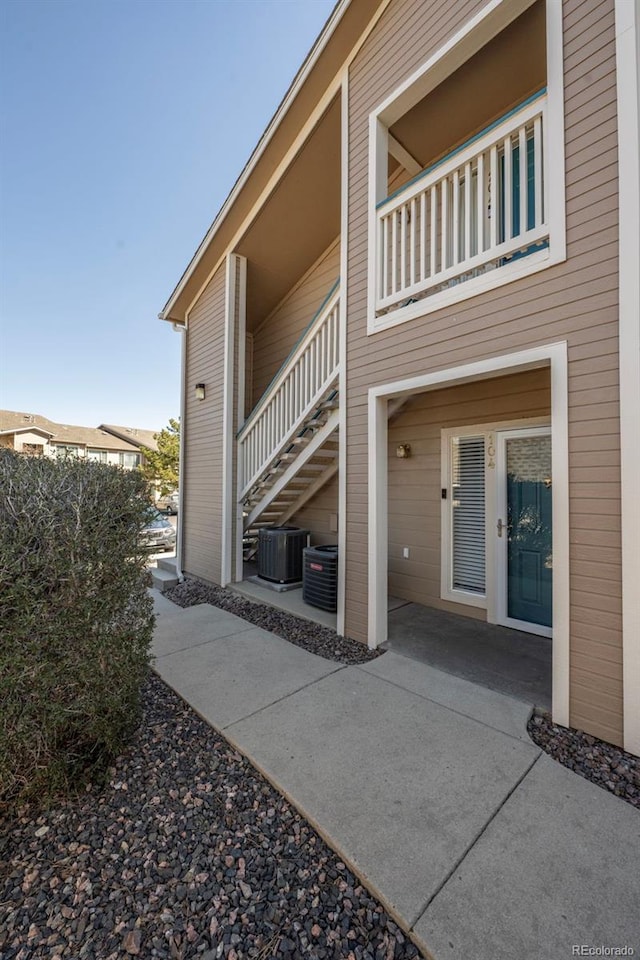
x: 297, y: 82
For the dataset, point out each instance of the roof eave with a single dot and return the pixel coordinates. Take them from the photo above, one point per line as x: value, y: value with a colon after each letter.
x: 30, y: 429
x: 297, y: 83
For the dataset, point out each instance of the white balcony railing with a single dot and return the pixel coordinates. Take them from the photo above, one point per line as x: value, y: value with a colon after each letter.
x: 466, y: 215
x: 299, y: 386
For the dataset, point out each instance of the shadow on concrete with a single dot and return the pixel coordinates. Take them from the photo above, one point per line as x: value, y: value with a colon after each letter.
x: 508, y: 661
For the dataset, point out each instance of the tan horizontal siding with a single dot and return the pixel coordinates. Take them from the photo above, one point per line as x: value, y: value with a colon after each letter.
x: 575, y: 301
x: 415, y: 484
x: 202, y: 472
x: 319, y: 514
x: 277, y: 335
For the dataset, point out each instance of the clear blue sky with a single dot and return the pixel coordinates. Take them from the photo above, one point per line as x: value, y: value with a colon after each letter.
x: 123, y: 126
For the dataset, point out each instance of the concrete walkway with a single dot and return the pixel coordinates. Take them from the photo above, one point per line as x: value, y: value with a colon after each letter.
x: 428, y: 785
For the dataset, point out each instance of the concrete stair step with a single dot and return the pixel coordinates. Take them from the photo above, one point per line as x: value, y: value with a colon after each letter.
x: 167, y: 563
x: 163, y: 579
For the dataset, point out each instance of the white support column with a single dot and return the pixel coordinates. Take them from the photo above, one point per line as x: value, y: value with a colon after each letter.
x: 378, y: 523
x: 227, y: 421
x: 240, y: 417
x: 560, y: 511
x: 553, y: 130
x: 342, y: 353
x: 378, y: 182
x: 628, y: 87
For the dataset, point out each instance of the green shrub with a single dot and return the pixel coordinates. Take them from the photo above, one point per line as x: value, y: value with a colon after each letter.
x: 75, y: 619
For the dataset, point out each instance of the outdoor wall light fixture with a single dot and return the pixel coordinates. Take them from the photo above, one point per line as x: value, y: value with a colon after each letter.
x: 200, y: 391
x: 403, y: 451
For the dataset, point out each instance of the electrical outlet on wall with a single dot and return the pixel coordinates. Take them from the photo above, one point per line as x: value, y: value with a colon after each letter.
x: 405, y: 553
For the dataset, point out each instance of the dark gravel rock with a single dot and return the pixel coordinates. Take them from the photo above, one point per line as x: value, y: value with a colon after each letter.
x: 604, y: 764
x: 311, y: 636
x: 232, y: 871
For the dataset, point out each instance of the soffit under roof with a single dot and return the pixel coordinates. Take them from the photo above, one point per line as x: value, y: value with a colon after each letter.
x: 298, y: 222
x: 505, y: 71
x: 327, y: 65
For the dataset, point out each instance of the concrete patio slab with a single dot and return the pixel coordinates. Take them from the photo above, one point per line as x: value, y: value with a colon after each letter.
x: 557, y: 867
x: 195, y: 626
x: 235, y: 675
x: 507, y: 661
x: 291, y: 601
x: 402, y: 785
x: 503, y: 713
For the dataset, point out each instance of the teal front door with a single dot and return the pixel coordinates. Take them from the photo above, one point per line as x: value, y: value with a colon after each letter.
x: 526, y: 530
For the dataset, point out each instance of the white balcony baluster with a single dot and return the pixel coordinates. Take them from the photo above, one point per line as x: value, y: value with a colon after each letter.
x: 302, y: 382
x: 472, y: 212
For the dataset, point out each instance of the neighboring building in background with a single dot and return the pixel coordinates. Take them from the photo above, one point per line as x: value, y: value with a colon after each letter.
x: 35, y: 435
x: 142, y: 440
x: 133, y: 435
x: 24, y: 436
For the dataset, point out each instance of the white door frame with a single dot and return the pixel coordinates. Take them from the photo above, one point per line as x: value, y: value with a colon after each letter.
x: 553, y: 355
x: 489, y: 430
x: 502, y: 543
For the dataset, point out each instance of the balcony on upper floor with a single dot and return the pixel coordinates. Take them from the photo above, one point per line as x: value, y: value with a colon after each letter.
x: 479, y: 209
x: 462, y: 176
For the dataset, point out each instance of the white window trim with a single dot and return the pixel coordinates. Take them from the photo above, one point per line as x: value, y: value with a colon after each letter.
x: 554, y: 355
x: 490, y: 601
x: 447, y: 591
x: 70, y: 449
x: 476, y: 33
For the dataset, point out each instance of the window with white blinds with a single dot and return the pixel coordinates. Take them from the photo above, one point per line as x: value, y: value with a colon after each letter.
x: 468, y: 514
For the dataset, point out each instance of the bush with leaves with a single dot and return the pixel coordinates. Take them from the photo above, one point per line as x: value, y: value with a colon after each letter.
x: 75, y: 617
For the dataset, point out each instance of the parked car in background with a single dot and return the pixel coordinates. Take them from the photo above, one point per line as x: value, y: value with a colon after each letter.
x: 169, y: 504
x: 158, y: 533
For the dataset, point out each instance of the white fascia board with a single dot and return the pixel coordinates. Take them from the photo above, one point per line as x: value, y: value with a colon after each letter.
x: 31, y: 429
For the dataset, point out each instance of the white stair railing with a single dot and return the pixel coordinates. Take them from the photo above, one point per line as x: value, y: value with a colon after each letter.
x: 299, y: 386
x: 482, y: 204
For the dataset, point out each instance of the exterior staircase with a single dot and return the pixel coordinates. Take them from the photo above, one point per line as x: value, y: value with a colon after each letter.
x: 288, y: 446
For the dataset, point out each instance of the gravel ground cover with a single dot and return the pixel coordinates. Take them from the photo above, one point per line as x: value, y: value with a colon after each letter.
x: 311, y: 636
x: 187, y: 852
x: 602, y: 763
